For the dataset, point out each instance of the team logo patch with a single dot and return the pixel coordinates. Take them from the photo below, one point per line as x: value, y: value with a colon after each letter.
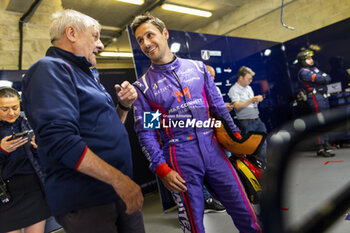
x: 179, y: 94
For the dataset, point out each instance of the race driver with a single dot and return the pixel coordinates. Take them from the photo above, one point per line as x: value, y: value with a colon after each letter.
x: 181, y: 94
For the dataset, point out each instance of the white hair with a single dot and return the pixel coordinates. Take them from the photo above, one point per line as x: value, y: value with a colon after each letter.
x: 62, y: 19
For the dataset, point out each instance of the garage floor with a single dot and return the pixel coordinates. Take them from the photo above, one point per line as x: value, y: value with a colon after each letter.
x: 312, y: 180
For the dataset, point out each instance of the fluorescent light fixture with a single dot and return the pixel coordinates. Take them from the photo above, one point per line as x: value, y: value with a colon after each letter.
x: 116, y: 54
x: 175, y: 47
x: 136, y: 2
x: 186, y: 10
x: 5, y: 83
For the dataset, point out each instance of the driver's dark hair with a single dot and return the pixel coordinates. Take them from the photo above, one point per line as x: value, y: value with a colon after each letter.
x: 147, y: 18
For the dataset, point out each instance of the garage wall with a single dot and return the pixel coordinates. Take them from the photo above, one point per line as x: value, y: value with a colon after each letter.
x: 260, y: 19
x: 36, y: 35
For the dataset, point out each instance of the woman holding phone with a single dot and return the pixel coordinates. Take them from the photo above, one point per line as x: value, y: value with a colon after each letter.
x: 23, y: 205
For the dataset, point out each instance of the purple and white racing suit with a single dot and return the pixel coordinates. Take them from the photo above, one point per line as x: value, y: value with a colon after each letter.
x: 185, y: 95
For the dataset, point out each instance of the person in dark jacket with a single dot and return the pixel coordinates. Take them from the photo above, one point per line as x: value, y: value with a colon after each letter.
x: 82, y: 141
x: 27, y: 207
x: 314, y: 83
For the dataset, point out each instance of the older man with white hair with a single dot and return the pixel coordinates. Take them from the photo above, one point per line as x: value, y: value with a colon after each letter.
x: 83, y: 143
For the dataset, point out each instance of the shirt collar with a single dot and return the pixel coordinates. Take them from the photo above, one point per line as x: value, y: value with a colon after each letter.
x: 173, y: 65
x: 81, y: 61
x: 241, y: 87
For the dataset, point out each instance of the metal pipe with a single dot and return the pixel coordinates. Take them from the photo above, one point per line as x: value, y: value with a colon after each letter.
x: 24, y: 19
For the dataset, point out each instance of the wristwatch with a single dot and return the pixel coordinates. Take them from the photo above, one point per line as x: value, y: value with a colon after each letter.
x: 122, y: 107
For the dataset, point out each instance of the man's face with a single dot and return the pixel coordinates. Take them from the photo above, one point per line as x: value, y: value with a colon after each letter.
x: 9, y: 109
x: 246, y: 80
x: 309, y: 61
x: 89, y: 44
x: 153, y: 43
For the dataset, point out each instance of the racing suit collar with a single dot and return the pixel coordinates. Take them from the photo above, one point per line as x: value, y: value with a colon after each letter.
x: 173, y: 65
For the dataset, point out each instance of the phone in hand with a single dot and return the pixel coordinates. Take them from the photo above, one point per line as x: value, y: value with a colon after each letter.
x: 21, y: 134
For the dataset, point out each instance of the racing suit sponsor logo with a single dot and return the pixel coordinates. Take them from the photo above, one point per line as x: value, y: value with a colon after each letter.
x: 174, y: 140
x: 208, y: 132
x: 162, y: 80
x: 191, y: 79
x: 187, y: 71
x: 179, y: 94
x: 183, y: 217
x: 186, y: 105
x: 155, y: 86
x: 162, y: 89
x: 138, y: 83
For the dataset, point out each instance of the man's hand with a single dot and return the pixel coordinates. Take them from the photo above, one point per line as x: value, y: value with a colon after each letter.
x: 126, y: 93
x: 130, y: 193
x: 12, y: 145
x: 35, y: 146
x: 174, y: 182
x: 229, y: 107
x: 258, y: 98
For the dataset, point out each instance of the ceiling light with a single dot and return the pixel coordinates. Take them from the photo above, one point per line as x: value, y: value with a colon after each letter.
x: 267, y: 52
x: 175, y: 47
x: 136, y: 2
x: 186, y: 10
x: 116, y: 54
x: 5, y: 83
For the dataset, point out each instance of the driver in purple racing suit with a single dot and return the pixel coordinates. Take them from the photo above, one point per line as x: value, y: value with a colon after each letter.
x: 181, y: 94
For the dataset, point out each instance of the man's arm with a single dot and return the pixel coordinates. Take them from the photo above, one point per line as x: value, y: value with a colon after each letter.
x: 127, y: 96
x: 151, y: 149
x: 319, y: 78
x: 127, y: 189
x: 239, y: 105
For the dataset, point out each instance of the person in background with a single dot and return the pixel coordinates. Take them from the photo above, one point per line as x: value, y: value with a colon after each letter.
x: 82, y: 141
x: 314, y: 84
x: 213, y: 73
x: 246, y: 103
x: 19, y: 169
x: 179, y: 90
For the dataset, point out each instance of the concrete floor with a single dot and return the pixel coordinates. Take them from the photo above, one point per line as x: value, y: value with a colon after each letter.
x: 310, y: 183
x: 314, y: 180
